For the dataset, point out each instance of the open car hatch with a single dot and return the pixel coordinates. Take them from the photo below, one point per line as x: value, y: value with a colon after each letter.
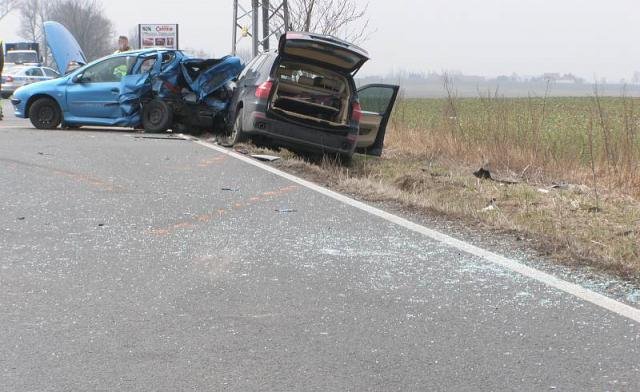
x: 64, y: 47
x: 323, y: 50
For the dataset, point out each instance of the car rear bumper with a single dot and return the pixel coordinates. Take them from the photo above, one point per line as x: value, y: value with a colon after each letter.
x: 299, y: 136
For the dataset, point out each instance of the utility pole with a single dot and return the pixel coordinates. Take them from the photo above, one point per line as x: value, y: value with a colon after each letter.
x: 255, y: 17
x: 266, y: 31
x: 251, y: 16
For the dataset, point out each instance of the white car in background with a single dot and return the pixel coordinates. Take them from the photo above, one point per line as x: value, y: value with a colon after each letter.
x: 16, y: 76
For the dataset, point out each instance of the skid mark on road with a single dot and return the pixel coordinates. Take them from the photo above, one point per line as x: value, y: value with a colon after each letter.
x: 205, y: 163
x: 212, y: 161
x: 82, y: 178
x: 221, y: 212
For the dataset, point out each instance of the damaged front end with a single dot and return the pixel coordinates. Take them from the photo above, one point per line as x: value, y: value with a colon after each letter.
x: 173, y: 91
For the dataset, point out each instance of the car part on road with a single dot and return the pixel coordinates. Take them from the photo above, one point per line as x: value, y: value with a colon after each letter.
x: 285, y: 210
x: 168, y: 137
x: 157, y: 116
x: 265, y: 158
x: 45, y: 114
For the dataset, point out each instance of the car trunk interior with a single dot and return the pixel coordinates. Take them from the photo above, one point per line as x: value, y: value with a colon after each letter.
x: 312, y: 93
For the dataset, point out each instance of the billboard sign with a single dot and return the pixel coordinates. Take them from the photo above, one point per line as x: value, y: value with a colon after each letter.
x: 158, y: 36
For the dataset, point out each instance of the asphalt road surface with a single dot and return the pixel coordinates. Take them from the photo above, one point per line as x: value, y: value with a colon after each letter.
x: 141, y: 264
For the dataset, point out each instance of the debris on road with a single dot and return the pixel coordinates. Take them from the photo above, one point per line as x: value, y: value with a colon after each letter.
x: 182, y: 138
x: 491, y: 206
x: 227, y: 189
x: 265, y: 158
x: 285, y: 210
x: 485, y: 174
x: 242, y: 151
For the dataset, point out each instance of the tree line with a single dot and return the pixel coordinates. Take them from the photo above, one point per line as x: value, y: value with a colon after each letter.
x: 85, y: 19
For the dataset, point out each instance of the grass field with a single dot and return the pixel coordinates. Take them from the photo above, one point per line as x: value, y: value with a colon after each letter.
x: 587, y: 147
x: 566, y: 139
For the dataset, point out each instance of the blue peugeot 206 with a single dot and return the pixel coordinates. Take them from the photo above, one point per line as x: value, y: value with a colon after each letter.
x: 156, y: 89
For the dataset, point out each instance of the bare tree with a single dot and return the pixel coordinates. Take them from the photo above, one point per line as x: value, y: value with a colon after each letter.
x: 6, y: 6
x: 33, y: 14
x: 341, y: 18
x: 86, y: 20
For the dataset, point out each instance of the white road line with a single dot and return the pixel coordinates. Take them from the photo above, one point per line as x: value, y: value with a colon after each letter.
x: 543, y: 277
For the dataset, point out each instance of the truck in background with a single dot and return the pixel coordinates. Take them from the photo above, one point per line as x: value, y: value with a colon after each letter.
x: 22, y: 53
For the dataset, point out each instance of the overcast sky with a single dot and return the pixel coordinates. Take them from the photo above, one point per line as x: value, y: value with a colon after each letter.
x: 483, y: 37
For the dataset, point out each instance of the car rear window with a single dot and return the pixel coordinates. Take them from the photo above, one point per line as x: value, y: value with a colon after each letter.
x: 34, y: 72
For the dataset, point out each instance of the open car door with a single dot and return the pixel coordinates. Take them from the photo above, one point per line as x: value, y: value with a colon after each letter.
x: 377, y: 102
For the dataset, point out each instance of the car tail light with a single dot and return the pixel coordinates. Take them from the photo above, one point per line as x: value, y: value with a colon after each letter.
x: 8, y: 79
x: 356, y: 112
x: 264, y: 90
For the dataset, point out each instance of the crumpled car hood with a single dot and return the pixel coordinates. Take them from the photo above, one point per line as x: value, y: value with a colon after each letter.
x: 204, y: 77
x: 192, y: 81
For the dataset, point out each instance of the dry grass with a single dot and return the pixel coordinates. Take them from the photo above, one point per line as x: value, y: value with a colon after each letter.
x: 534, y: 138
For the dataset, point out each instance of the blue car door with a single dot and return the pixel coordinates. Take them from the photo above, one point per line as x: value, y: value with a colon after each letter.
x: 94, y: 92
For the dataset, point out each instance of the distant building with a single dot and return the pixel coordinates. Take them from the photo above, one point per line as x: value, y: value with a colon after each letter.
x: 562, y: 79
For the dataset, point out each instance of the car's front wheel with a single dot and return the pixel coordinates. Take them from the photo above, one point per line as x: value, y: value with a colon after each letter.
x: 45, y: 114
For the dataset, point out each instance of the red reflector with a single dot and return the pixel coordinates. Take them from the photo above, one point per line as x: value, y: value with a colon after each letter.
x: 264, y: 90
x: 356, y: 112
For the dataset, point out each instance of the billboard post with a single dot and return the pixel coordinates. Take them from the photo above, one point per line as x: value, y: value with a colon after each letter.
x: 158, y: 36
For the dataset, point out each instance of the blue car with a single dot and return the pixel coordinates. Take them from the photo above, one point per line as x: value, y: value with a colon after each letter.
x: 157, y: 89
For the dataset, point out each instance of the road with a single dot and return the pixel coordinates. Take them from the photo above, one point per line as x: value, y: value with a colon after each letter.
x: 139, y: 264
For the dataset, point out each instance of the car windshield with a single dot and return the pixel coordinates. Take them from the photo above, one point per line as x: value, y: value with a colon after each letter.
x: 21, y: 57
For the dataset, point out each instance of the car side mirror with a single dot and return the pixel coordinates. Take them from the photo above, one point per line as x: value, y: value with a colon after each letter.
x: 80, y: 78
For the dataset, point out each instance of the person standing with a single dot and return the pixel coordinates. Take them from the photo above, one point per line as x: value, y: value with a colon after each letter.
x: 123, y: 44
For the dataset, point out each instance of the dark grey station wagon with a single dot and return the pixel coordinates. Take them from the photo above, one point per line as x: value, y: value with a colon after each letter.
x: 304, y: 96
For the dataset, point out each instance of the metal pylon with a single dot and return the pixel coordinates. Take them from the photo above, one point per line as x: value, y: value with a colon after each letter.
x: 247, y: 18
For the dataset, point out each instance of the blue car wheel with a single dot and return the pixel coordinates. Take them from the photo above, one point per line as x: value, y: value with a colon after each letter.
x: 45, y: 114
